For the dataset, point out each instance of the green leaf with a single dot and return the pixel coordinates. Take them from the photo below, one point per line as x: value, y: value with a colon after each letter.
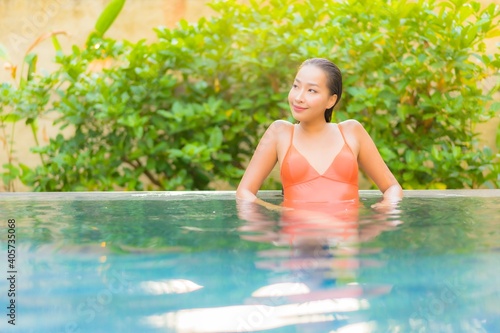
x: 108, y: 16
x: 475, y: 5
x: 495, y: 107
x: 468, y: 35
x: 3, y: 52
x: 493, y: 33
x: 57, y: 45
x: 435, y: 153
x: 31, y: 60
x: 165, y: 114
x: 216, y: 137
x: 10, y: 118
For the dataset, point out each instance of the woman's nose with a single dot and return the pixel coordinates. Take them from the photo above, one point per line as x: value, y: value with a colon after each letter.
x: 299, y: 96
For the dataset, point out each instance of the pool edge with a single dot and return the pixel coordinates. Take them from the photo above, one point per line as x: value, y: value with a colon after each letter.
x: 224, y: 195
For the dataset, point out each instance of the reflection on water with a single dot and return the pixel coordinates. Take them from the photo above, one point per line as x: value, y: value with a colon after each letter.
x: 201, y: 263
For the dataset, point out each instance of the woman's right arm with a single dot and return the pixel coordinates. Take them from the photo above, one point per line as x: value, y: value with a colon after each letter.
x: 262, y: 163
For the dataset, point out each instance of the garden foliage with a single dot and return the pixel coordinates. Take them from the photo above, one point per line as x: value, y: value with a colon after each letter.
x: 188, y: 108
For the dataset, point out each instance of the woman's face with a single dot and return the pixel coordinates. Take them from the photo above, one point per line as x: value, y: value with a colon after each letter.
x: 310, y: 96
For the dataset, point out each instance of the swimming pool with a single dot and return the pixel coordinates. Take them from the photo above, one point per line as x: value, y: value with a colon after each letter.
x: 197, y: 262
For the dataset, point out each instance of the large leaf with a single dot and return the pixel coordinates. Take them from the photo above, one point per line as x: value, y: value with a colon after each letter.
x: 108, y: 16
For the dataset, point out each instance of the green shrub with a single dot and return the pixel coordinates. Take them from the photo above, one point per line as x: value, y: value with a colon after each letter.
x: 189, y: 108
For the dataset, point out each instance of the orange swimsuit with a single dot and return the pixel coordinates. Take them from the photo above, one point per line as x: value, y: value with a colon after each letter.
x: 324, y: 205
x: 301, y: 182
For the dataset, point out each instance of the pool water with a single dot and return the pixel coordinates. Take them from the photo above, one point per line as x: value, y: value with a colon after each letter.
x: 198, y: 262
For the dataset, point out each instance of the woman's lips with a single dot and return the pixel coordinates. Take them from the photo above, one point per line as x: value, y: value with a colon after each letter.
x: 297, y: 108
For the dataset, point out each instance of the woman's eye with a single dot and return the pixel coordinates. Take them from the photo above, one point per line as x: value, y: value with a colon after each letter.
x: 312, y: 90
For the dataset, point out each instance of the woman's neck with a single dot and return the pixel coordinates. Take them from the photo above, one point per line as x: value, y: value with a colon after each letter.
x: 313, y: 127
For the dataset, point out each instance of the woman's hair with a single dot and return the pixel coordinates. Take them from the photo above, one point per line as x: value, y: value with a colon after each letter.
x: 333, y: 80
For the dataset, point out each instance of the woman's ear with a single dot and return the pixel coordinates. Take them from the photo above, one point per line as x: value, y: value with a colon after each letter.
x: 332, y: 100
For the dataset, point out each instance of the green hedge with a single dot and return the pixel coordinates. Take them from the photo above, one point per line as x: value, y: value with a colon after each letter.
x: 188, y: 108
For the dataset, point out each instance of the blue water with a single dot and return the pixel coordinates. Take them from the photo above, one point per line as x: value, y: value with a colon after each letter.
x: 188, y: 262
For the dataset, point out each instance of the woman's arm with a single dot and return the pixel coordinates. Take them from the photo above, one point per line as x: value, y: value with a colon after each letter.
x: 373, y: 165
x: 262, y: 163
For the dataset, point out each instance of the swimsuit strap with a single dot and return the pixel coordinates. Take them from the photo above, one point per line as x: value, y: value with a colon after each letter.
x: 293, y: 129
x: 345, y: 142
x: 291, y: 142
x: 291, y: 136
x: 286, y: 154
x: 342, y: 133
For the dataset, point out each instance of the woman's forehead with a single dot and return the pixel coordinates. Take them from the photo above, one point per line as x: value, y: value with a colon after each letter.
x: 312, y: 75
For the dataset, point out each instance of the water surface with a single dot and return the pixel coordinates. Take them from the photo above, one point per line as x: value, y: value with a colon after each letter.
x: 197, y: 262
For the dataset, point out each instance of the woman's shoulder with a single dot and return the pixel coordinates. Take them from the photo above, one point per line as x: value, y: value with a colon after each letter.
x: 354, y: 133
x: 350, y: 124
x: 281, y: 126
x: 282, y: 132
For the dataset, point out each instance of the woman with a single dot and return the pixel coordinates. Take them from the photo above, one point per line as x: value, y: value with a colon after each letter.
x: 318, y: 159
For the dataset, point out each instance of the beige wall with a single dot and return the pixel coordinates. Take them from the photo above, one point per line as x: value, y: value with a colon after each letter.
x: 23, y: 21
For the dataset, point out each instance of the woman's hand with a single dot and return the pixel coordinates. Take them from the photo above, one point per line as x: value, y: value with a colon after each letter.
x: 390, y: 201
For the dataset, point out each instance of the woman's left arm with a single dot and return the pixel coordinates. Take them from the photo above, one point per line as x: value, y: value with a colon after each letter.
x: 373, y: 165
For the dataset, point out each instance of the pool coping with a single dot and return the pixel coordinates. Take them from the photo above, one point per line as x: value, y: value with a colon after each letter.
x: 223, y: 195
